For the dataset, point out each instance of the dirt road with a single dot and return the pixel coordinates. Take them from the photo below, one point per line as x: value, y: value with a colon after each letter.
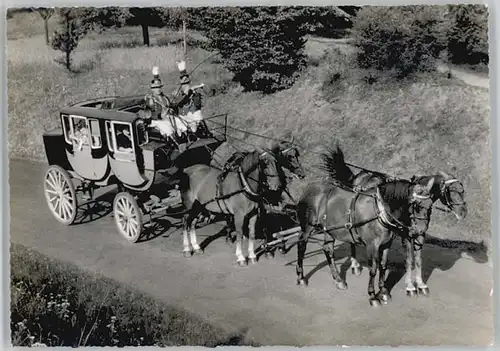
x: 262, y: 301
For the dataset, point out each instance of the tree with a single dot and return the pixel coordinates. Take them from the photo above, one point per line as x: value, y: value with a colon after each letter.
x: 262, y: 46
x: 146, y: 17
x: 468, y: 34
x: 401, y: 38
x: 75, y: 22
x: 45, y: 13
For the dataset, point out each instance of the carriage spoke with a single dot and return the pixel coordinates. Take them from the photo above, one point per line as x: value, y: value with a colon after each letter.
x: 51, y: 182
x: 52, y: 191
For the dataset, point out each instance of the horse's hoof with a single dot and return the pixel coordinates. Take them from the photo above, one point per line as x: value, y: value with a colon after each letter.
x: 242, y: 263
x: 302, y: 282
x: 356, y: 271
x: 269, y: 255
x: 374, y: 302
x: 424, y: 291
x: 411, y: 293
x: 252, y: 260
x: 187, y: 254
x: 341, y: 285
x: 199, y: 252
x: 282, y: 250
x: 384, y: 298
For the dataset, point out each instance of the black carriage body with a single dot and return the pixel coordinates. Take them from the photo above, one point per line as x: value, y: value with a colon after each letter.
x: 149, y: 161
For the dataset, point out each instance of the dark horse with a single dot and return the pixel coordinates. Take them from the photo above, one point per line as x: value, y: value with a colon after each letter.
x: 367, y: 217
x: 446, y: 188
x: 287, y: 154
x: 238, y: 193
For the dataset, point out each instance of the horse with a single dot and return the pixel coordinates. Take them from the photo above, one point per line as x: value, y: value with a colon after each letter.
x: 237, y: 194
x: 364, y: 217
x: 287, y: 154
x: 446, y: 188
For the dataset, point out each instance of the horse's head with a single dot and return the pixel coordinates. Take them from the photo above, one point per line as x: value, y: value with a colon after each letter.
x: 288, y: 155
x: 271, y: 172
x: 452, y: 195
x: 421, y: 207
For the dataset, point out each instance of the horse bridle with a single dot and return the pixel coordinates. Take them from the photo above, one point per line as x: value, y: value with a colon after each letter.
x: 263, y: 168
x: 446, y: 193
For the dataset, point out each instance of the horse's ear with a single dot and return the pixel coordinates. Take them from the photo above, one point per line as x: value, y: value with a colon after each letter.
x: 429, y: 185
x: 445, y: 175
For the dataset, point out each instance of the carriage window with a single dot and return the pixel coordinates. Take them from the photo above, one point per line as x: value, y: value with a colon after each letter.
x: 95, y: 132
x: 66, y: 128
x: 142, y: 135
x: 80, y: 131
x: 123, y: 137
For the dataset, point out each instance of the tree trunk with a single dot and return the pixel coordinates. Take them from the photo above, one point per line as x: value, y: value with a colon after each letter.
x: 184, y: 37
x: 46, y: 24
x: 145, y: 34
x: 68, y: 60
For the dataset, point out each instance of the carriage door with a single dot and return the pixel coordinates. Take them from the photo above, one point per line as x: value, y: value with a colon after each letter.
x: 78, y: 136
x: 121, y: 145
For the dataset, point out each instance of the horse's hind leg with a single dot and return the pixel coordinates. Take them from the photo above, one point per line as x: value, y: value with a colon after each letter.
x: 417, y: 249
x: 328, y: 250
x: 189, y: 222
x: 383, y: 295
x: 194, y: 243
x: 355, y: 266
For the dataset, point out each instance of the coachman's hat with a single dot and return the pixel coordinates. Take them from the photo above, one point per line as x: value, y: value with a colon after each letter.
x: 156, y: 82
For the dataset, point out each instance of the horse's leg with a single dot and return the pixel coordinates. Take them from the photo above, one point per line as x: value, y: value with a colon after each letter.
x: 328, y: 250
x: 421, y: 286
x: 230, y: 228
x: 354, y: 263
x: 301, y: 250
x: 252, y: 257
x: 185, y: 238
x: 383, y: 295
x: 372, y: 252
x: 408, y: 245
x: 239, y: 221
x: 192, y: 234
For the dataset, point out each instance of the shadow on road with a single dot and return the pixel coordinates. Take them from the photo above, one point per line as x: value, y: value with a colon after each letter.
x: 94, y: 210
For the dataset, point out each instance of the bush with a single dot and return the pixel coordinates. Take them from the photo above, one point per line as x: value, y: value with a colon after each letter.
x: 262, y: 46
x: 406, y: 39
x: 468, y: 34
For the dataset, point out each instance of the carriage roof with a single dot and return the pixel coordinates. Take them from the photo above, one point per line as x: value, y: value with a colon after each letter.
x: 108, y: 108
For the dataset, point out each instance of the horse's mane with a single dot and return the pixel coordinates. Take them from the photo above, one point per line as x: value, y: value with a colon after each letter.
x: 250, y: 159
x: 334, y: 164
x: 395, y: 191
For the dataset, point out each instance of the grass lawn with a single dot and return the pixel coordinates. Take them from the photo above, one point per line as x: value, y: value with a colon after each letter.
x: 57, y: 304
x: 415, y: 126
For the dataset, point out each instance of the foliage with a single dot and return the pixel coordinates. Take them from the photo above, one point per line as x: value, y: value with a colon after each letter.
x: 262, y: 46
x: 45, y: 13
x: 56, y: 304
x: 76, y: 22
x: 406, y: 39
x: 146, y: 17
x: 468, y: 34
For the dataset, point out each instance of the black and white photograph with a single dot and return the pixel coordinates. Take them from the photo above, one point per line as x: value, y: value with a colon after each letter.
x: 313, y: 175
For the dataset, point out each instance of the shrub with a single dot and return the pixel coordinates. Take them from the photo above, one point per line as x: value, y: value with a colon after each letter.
x: 468, y: 34
x: 262, y: 46
x: 406, y: 39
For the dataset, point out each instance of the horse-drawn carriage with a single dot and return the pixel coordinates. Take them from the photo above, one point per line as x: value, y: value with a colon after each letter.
x: 105, y: 142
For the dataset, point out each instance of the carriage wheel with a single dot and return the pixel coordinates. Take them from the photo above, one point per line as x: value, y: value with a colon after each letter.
x: 128, y: 216
x: 60, y: 194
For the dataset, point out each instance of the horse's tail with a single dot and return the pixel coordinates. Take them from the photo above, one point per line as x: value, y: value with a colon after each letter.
x: 334, y: 164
